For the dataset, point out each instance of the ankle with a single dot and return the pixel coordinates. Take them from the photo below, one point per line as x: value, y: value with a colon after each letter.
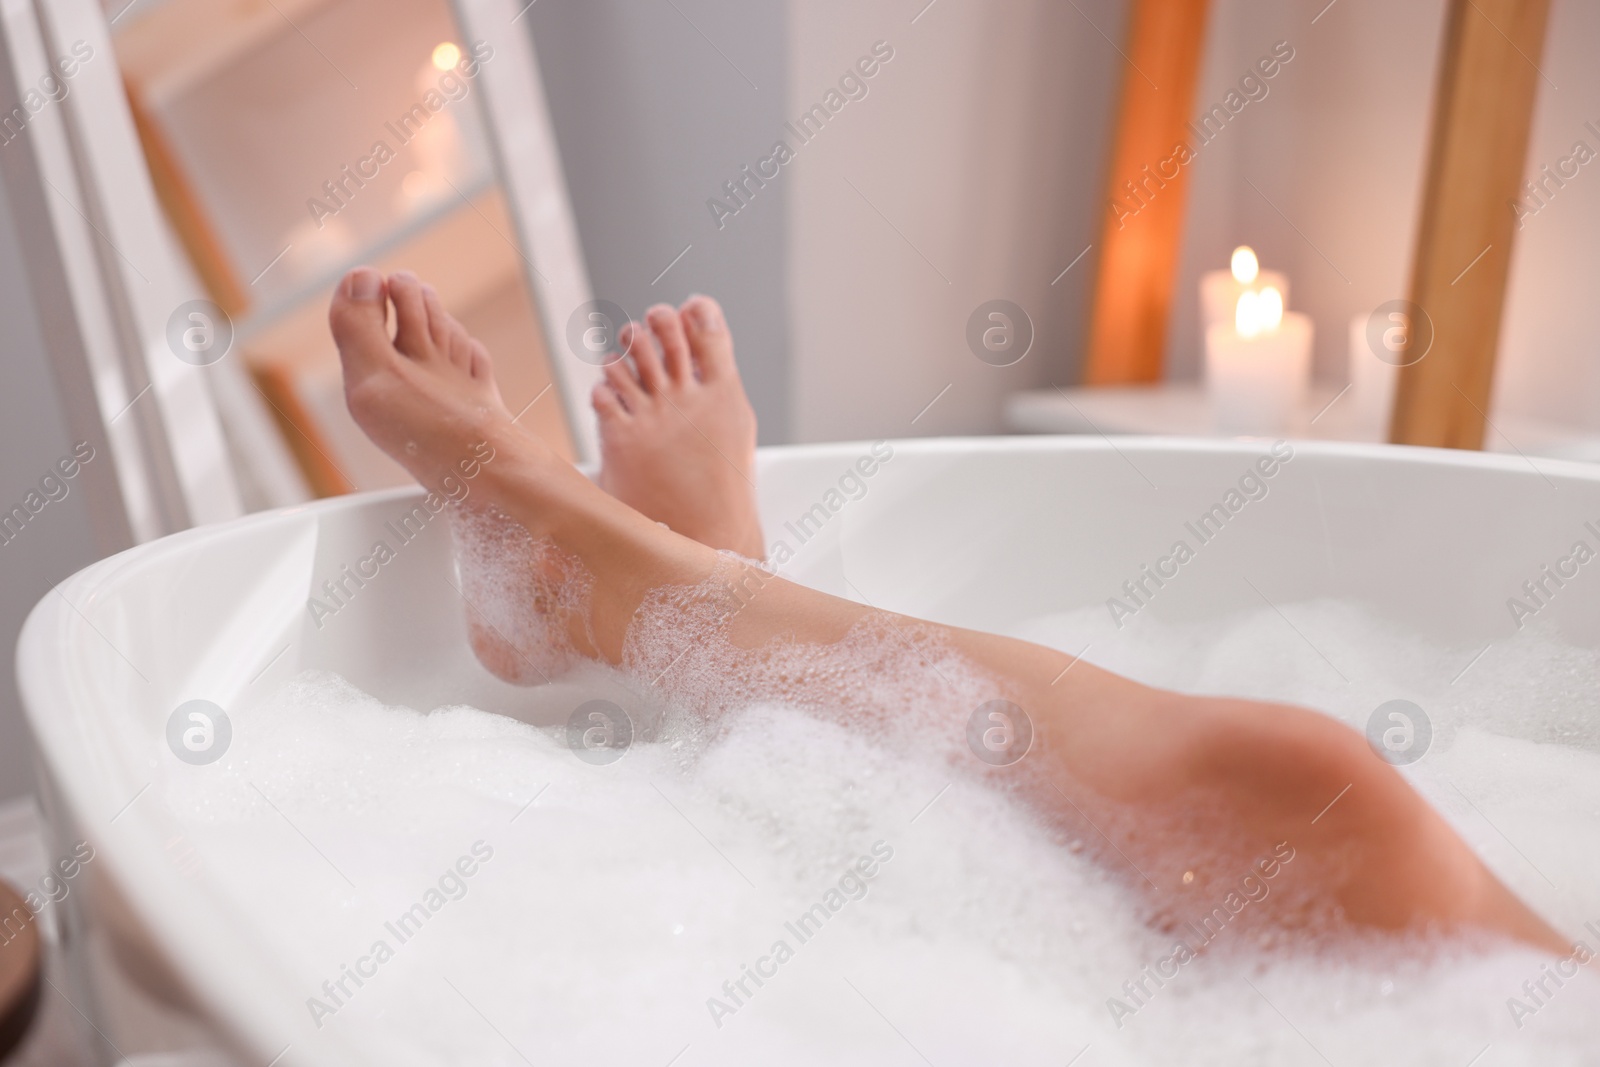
x: 550, y: 498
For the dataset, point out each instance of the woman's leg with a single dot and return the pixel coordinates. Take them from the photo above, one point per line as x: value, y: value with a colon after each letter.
x: 1189, y: 792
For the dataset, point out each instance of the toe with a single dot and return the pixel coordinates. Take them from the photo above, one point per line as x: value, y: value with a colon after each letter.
x: 441, y: 327
x: 412, y: 335
x: 480, y: 365
x: 459, y: 347
x: 667, y: 325
x: 709, y: 339
x: 449, y: 336
x: 622, y: 382
x: 607, y: 404
x: 646, y: 361
x: 358, y: 318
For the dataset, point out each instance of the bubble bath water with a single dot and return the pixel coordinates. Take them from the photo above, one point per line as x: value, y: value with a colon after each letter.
x: 532, y: 907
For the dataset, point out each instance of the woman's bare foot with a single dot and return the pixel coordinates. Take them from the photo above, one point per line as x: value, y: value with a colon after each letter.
x: 677, y: 434
x: 426, y: 396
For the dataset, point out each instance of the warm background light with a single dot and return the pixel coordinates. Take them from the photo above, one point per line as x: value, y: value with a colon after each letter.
x: 1245, y: 265
x: 1258, y: 312
x: 447, y: 55
x: 1269, y: 308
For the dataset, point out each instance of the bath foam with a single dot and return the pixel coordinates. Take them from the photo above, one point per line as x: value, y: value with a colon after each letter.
x: 680, y: 654
x: 620, y: 899
x: 523, y: 596
x: 884, y: 677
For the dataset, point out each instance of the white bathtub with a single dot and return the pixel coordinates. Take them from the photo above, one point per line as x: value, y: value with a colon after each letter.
x: 977, y: 532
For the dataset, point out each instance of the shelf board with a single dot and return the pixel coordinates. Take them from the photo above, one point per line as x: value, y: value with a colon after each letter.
x: 168, y: 46
x: 318, y: 285
x: 1184, y: 409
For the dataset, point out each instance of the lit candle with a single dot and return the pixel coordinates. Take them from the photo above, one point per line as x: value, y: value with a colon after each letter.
x: 1374, y: 369
x: 1258, y: 366
x: 1220, y: 289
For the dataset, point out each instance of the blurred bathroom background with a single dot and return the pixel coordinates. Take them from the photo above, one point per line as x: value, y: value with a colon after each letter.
x: 973, y: 168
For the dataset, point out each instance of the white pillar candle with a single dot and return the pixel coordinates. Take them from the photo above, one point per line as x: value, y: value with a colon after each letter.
x: 1371, y: 380
x: 1258, y: 367
x: 1220, y: 289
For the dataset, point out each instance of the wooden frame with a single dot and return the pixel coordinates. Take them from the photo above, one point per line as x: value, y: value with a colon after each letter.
x: 70, y: 297
x: 1487, y: 85
x: 107, y: 274
x: 1139, y: 256
x: 520, y: 159
x: 185, y: 435
x: 523, y: 142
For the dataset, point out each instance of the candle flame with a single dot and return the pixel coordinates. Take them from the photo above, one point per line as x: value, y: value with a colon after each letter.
x: 446, y: 55
x: 1245, y: 265
x: 1258, y: 313
x: 1269, y: 308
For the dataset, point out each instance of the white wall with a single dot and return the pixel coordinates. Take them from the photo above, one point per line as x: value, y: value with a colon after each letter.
x: 651, y: 118
x: 1549, y: 342
x: 976, y: 161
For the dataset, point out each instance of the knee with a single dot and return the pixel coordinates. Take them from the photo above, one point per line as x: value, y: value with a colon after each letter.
x: 1291, y: 757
